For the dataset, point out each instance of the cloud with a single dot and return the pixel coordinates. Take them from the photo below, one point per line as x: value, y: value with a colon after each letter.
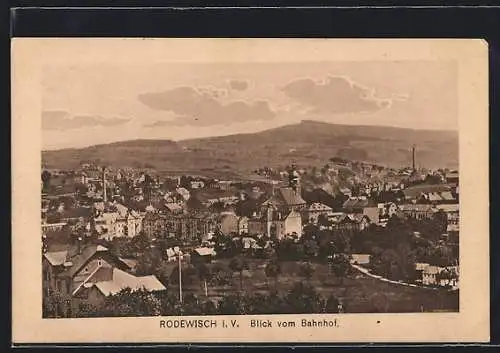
x: 60, y: 120
x: 200, y: 108
x: 335, y: 95
x: 238, y: 85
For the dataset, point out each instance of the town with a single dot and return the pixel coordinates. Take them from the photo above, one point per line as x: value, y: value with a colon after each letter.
x: 345, y: 237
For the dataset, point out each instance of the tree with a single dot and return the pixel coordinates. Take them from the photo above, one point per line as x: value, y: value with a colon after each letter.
x: 239, y: 264
x: 310, y: 248
x: 53, y: 305
x: 131, y: 303
x: 204, y: 275
x: 46, y: 176
x: 217, y: 207
x: 332, y: 304
x: 307, y: 271
x: 273, y: 270
x: 230, y: 305
x: 303, y: 299
x: 340, y: 266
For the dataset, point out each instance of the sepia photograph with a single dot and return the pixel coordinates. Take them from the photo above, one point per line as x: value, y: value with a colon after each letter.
x: 288, y: 191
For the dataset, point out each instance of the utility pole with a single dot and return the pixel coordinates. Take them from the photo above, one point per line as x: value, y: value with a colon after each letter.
x: 180, y: 279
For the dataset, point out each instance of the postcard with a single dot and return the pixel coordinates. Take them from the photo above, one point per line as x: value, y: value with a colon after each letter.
x: 250, y: 190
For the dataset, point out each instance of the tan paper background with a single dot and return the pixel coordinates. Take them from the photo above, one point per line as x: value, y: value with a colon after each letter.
x: 29, y: 55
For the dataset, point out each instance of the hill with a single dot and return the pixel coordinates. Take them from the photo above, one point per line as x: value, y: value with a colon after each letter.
x: 305, y: 143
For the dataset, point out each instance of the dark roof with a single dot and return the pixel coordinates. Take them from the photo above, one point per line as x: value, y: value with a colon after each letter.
x: 286, y: 196
x: 79, y: 260
x: 417, y: 190
x: 356, y: 203
x: 77, y: 212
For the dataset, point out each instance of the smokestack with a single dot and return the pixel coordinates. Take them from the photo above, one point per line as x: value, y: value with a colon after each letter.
x: 413, y: 157
x: 105, y: 197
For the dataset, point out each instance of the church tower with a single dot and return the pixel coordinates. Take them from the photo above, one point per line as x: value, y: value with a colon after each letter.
x: 294, y: 180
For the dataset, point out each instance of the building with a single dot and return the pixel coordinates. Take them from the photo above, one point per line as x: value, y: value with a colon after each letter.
x: 312, y: 213
x: 52, y: 227
x: 360, y: 259
x: 452, y: 177
x: 386, y: 211
x: 204, y: 255
x: 230, y: 223
x: 275, y: 223
x: 418, y: 211
x: 117, y: 221
x: 187, y: 228
x: 363, y: 206
x: 87, y: 274
x: 440, y: 276
x: 349, y: 223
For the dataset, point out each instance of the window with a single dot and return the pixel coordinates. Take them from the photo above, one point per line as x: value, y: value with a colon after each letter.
x: 99, y: 262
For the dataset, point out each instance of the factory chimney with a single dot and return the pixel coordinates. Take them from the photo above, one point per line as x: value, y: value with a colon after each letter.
x: 413, y: 157
x: 104, y: 193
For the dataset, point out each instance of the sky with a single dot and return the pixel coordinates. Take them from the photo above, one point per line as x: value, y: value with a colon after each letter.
x: 94, y: 104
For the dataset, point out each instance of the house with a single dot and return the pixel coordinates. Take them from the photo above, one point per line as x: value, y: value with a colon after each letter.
x: 440, y: 276
x: 315, y: 210
x: 52, y: 227
x: 197, y: 184
x: 230, y: 223
x: 75, y: 271
x: 452, y: 177
x: 223, y: 184
x: 188, y: 228
x: 417, y: 211
x: 275, y: 223
x: 346, y: 191
x: 360, y: 259
x: 282, y: 225
x: 174, y: 208
x: 363, y: 205
x: 117, y: 222
x: 173, y: 253
x: 204, y: 255
x: 184, y: 193
x: 387, y: 210
x: 97, y: 287
x: 286, y: 198
x: 349, y: 223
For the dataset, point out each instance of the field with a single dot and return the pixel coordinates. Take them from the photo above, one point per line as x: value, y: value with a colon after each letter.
x: 359, y: 293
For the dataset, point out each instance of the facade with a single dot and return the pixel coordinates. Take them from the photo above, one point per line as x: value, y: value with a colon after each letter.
x: 186, y: 228
x: 418, y: 211
x: 315, y: 210
x: 115, y: 224
x: 230, y: 223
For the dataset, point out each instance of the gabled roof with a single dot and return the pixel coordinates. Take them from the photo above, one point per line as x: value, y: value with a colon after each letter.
x: 77, y: 212
x: 417, y: 207
x: 319, y: 207
x: 122, y: 280
x: 357, y: 203
x: 449, y: 207
x: 56, y: 258
x: 205, y: 251
x: 285, y: 196
x: 79, y: 260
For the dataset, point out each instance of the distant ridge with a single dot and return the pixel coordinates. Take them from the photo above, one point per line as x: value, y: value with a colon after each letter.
x: 307, y: 142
